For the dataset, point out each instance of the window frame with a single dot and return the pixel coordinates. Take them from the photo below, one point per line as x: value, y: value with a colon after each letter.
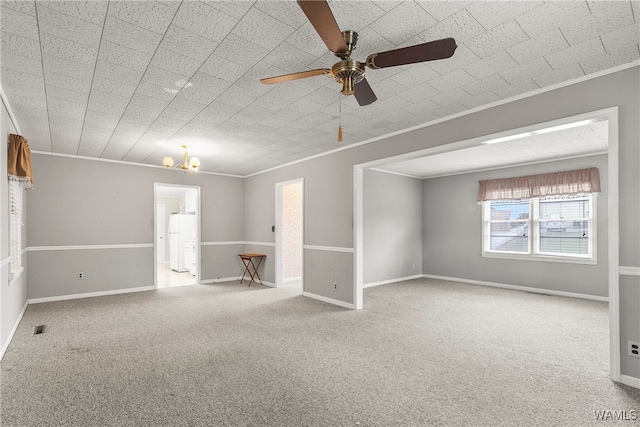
x: 533, y: 244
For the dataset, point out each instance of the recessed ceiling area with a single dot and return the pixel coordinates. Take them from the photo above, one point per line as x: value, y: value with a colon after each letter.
x: 585, y: 140
x: 134, y: 80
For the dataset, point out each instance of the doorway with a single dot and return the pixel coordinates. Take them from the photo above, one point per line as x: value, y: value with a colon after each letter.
x: 177, y: 235
x: 289, y: 233
x: 610, y: 115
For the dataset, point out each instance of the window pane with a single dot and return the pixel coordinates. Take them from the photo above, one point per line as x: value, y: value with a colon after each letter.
x: 564, y: 207
x: 509, y: 236
x: 564, y: 225
x: 510, y: 209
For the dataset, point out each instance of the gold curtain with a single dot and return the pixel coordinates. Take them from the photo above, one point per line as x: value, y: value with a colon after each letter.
x: 547, y: 184
x: 19, y: 160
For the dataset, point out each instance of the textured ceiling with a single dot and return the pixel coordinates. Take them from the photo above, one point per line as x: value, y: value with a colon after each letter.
x: 132, y: 80
x: 584, y: 140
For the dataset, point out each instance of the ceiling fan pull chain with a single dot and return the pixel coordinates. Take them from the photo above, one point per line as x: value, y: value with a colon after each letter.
x: 340, y: 124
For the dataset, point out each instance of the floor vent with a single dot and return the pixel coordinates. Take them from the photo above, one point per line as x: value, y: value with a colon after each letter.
x: 39, y: 330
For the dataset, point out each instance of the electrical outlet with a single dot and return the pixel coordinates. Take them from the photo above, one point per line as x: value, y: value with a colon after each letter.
x: 634, y: 349
x: 335, y: 286
x: 80, y: 275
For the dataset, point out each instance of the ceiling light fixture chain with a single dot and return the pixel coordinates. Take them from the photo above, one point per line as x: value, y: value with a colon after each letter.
x: 187, y: 165
x: 340, y: 120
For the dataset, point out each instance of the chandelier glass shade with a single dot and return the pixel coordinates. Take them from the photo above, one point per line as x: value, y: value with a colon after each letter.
x: 187, y: 165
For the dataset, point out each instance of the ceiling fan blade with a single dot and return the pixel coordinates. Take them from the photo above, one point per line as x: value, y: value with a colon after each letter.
x: 364, y: 94
x: 322, y: 19
x: 294, y: 76
x: 430, y: 51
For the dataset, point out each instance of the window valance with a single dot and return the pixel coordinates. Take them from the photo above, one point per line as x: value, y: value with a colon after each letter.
x: 19, y: 160
x: 549, y: 184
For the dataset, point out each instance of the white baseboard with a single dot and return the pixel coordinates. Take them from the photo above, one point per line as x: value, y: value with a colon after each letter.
x: 5, y: 345
x: 386, y: 282
x: 329, y: 300
x: 519, y: 288
x: 630, y: 381
x: 292, y: 279
x: 90, y: 295
x: 219, y: 280
x: 233, y: 279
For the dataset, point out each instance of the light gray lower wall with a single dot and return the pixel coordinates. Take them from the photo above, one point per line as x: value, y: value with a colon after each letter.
x: 267, y: 270
x: 55, y: 271
x: 392, y: 226
x: 629, y: 322
x: 325, y: 268
x: 89, y: 203
x: 453, y: 235
x: 221, y: 261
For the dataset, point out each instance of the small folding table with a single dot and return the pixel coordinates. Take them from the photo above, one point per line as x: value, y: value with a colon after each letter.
x: 250, y: 268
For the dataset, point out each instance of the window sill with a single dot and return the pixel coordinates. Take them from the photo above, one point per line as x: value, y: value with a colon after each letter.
x: 543, y: 258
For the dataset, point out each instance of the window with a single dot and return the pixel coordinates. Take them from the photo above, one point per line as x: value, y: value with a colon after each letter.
x: 553, y: 227
x: 15, y: 228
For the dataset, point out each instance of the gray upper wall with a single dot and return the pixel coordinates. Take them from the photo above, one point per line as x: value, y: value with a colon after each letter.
x: 88, y: 202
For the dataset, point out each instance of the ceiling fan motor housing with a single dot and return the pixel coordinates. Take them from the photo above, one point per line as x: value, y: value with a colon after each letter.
x: 349, y: 73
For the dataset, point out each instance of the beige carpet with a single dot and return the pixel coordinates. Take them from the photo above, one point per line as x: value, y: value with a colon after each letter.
x: 422, y: 352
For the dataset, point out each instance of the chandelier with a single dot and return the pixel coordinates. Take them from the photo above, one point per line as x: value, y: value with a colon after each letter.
x: 187, y: 165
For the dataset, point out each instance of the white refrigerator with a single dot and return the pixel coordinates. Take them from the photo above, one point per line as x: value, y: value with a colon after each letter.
x: 182, y: 228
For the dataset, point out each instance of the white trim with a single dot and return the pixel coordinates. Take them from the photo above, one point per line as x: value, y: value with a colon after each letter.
x: 464, y: 113
x: 292, y: 279
x: 328, y: 300
x: 613, y: 260
x: 5, y: 345
x: 5, y: 262
x: 16, y: 276
x: 358, y: 237
x: 220, y: 280
x: 328, y: 248
x: 234, y: 279
x: 397, y: 173
x: 122, y: 162
x: 519, y: 288
x: 629, y: 271
x: 260, y: 244
x: 89, y: 247
x: 7, y: 106
x: 630, y: 381
x: 386, y: 282
x: 239, y: 242
x: 535, y: 257
x: 90, y: 294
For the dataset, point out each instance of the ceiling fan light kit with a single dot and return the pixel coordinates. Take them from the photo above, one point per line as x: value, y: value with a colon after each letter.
x: 351, y: 73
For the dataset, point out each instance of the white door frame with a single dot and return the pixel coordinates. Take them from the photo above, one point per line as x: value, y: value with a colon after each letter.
x: 278, y: 230
x: 609, y: 114
x: 155, y: 224
x: 160, y: 228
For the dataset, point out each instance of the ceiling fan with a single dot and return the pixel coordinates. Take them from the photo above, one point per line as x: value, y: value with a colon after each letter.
x: 351, y: 73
